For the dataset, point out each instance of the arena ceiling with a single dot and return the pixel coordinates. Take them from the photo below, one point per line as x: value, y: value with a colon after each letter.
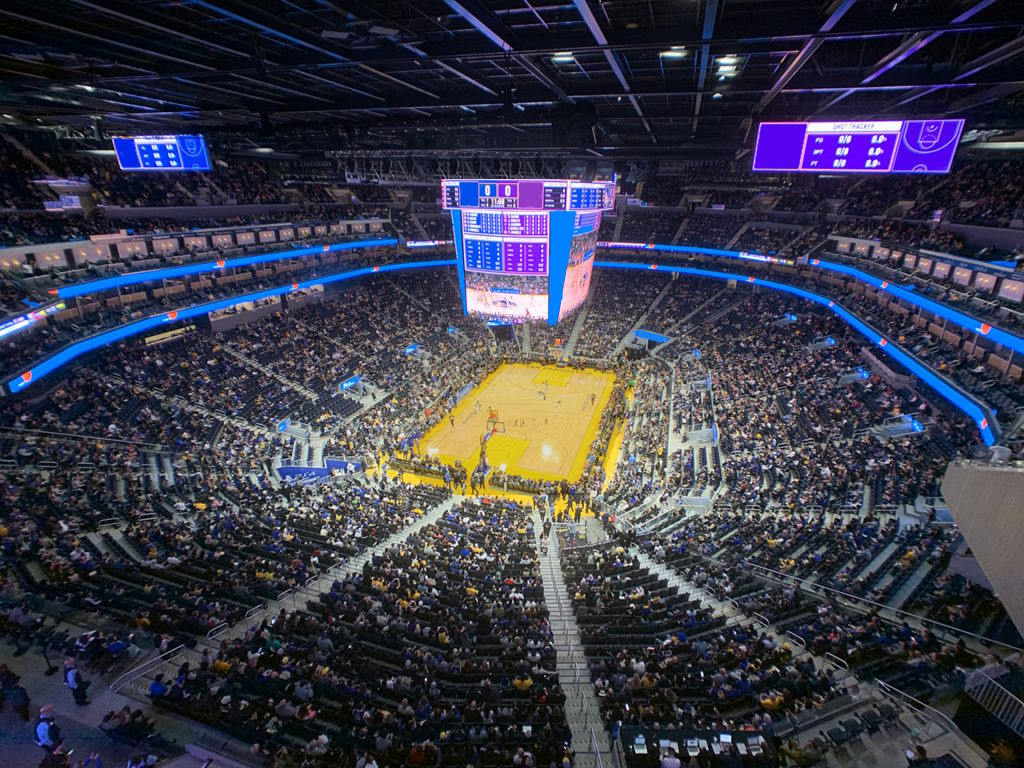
x: 615, y: 78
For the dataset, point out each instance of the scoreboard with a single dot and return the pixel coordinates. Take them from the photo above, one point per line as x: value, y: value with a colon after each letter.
x: 162, y: 153
x: 520, y: 255
x: 528, y: 194
x: 867, y: 146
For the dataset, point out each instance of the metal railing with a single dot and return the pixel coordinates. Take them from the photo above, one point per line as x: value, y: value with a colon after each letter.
x: 835, y: 660
x: 146, y: 667
x: 881, y: 608
x: 796, y: 639
x: 997, y: 699
x: 153, y: 447
x: 924, y: 710
x: 596, y: 749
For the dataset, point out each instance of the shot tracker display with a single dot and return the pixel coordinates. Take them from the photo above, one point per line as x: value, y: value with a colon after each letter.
x: 176, y: 152
x: 869, y: 146
x: 525, y: 247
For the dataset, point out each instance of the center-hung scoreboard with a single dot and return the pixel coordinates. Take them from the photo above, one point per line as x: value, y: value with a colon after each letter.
x: 525, y: 247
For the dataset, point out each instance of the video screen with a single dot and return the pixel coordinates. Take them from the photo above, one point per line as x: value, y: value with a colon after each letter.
x: 162, y: 153
x: 506, y: 297
x: 578, y: 273
x: 858, y: 146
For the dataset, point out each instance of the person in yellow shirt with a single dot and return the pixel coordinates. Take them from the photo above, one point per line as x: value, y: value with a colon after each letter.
x: 522, y: 682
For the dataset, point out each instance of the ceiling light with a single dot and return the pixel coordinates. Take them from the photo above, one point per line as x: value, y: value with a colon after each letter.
x: 675, y: 52
x: 264, y: 150
x: 563, y: 57
x: 717, y: 96
x: 730, y: 59
x: 1000, y: 145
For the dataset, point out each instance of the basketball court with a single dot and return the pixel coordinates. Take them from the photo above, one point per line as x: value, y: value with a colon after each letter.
x: 540, y: 421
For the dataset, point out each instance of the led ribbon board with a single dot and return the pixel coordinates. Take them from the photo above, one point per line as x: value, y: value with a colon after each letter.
x: 870, y: 146
x: 958, y: 397
x: 57, y: 360
x: 177, y: 152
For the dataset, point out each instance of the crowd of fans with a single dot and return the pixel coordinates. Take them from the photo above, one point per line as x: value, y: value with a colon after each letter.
x: 439, y: 648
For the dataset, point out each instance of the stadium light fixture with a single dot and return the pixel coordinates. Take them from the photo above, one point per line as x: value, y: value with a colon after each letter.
x: 1013, y: 145
x: 563, y: 57
x: 675, y: 52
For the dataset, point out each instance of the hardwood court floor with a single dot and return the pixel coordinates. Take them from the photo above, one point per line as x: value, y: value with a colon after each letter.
x: 549, y: 416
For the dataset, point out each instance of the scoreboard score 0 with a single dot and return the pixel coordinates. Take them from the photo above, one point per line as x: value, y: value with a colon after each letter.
x: 528, y: 194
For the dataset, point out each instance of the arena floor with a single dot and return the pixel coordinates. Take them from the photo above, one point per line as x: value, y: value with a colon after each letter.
x: 547, y: 419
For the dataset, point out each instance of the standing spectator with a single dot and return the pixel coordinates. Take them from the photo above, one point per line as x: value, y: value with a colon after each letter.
x: 13, y: 693
x: 73, y: 680
x: 47, y: 731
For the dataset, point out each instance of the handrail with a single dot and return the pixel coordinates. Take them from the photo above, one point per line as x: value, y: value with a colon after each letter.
x: 598, y: 763
x: 797, y: 639
x: 144, y: 667
x: 58, y: 358
x: 217, y: 631
x: 837, y: 661
x: 924, y: 709
x: 990, y: 692
x: 811, y: 586
x: 158, y: 447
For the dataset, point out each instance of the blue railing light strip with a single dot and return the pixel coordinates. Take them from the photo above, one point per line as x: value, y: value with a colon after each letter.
x: 65, y: 355
x: 959, y: 398
x: 967, y: 322
x: 184, y: 270
x: 58, y: 359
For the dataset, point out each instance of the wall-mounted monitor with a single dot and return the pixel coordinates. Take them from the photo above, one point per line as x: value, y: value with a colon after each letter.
x: 858, y: 146
x: 177, y: 152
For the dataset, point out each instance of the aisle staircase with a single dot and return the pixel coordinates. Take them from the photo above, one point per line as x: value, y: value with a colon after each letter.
x: 577, y: 328
x: 642, y: 319
x: 32, y: 156
x: 590, y: 739
x: 256, y: 365
x: 418, y: 224
x: 618, y: 225
x: 680, y: 230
